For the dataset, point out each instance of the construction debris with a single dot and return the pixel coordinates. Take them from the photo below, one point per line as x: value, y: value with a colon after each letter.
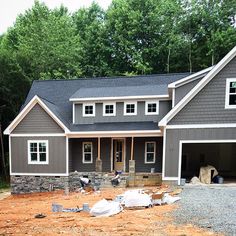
x: 132, y: 199
x: 136, y: 198
x: 39, y: 216
x: 106, y: 208
x: 59, y: 208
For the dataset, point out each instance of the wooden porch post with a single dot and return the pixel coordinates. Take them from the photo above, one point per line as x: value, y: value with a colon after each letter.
x: 132, y: 149
x: 98, y: 160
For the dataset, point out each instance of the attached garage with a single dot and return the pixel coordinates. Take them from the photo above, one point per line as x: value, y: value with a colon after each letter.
x: 187, y: 149
x: 217, y: 153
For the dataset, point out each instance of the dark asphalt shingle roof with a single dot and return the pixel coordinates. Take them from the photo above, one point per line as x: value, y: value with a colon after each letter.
x: 140, y: 90
x: 56, y: 93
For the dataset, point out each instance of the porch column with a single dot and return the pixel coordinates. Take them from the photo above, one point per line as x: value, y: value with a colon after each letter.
x: 132, y: 161
x: 98, y: 160
x: 132, y: 149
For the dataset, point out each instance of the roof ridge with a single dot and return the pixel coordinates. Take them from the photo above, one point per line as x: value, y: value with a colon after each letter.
x: 116, y: 77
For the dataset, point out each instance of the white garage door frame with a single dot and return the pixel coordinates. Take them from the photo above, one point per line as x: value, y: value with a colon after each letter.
x: 181, y: 142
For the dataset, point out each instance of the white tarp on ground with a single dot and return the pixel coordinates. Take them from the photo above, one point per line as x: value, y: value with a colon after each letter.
x: 106, y: 208
x: 135, y: 198
x: 168, y: 199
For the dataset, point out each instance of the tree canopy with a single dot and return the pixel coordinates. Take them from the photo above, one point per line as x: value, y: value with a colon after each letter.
x: 130, y: 37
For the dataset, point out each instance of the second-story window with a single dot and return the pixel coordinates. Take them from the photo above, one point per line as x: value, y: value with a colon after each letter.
x: 151, y: 108
x: 130, y: 108
x: 230, y: 99
x: 109, y: 109
x: 89, y: 110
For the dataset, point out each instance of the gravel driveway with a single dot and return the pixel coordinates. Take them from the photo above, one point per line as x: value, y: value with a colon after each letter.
x: 208, y: 207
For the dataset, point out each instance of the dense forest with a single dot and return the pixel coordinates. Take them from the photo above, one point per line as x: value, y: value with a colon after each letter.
x: 131, y: 37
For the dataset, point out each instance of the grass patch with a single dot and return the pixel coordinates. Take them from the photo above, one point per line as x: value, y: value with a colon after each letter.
x: 4, y: 185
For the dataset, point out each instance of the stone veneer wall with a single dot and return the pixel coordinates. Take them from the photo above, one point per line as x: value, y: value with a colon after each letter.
x: 30, y: 184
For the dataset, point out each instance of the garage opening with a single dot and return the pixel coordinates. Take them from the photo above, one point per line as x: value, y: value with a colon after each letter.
x: 220, y: 155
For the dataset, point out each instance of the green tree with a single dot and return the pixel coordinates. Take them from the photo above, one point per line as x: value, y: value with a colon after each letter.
x: 94, y: 49
x: 209, y: 30
x: 45, y: 43
x: 144, y: 35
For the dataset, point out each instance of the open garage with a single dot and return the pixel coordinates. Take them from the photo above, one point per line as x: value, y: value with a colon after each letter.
x: 221, y: 155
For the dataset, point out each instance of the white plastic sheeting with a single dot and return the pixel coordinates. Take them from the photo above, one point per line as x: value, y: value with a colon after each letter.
x: 169, y: 199
x: 106, y: 208
x: 135, y: 198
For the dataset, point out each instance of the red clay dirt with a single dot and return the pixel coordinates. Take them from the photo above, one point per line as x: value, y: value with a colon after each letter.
x: 18, y: 211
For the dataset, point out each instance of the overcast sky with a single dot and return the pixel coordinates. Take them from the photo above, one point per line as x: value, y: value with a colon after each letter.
x: 9, y: 9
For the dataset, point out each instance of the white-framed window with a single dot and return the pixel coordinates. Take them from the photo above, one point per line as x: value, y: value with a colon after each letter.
x: 150, y: 152
x: 130, y: 108
x: 88, y: 109
x: 37, y: 151
x: 87, y: 152
x: 151, y: 107
x: 109, y: 109
x: 230, y: 95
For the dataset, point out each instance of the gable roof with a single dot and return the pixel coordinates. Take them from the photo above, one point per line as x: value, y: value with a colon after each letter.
x: 190, y: 78
x: 35, y: 100
x: 198, y: 87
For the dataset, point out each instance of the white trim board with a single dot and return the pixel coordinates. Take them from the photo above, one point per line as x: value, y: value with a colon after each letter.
x: 190, y: 78
x: 141, y: 98
x: 201, y: 126
x: 170, y: 178
x: 141, y: 133
x: 35, y: 100
x: 38, y: 135
x: 40, y: 174
x: 181, y: 142
x: 185, y: 100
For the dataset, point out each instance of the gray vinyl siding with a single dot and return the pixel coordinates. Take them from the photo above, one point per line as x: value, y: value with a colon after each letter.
x: 164, y: 107
x: 173, y: 137
x: 208, y: 106
x: 181, y: 91
x: 128, y: 153
x: 106, y: 154
x: 139, y: 155
x: 57, y: 156
x: 37, y: 121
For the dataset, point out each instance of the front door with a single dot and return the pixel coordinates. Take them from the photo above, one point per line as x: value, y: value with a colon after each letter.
x: 118, y: 154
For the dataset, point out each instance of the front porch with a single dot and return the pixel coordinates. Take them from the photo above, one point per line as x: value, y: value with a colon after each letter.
x: 137, y: 159
x: 128, y: 154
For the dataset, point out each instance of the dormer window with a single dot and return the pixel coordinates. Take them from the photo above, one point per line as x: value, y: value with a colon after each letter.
x: 109, y: 109
x: 151, y: 108
x: 230, y: 99
x: 89, y: 109
x: 130, y: 108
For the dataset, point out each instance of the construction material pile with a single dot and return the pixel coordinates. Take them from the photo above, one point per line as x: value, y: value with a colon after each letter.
x: 133, y: 199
